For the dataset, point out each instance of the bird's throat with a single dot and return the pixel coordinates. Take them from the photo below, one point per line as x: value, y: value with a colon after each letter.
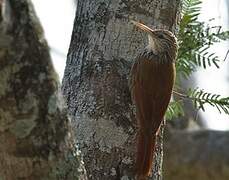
x: 153, y: 45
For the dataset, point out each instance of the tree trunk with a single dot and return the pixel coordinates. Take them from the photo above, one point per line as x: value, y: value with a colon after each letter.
x: 95, y: 84
x: 198, y: 155
x: 34, y: 128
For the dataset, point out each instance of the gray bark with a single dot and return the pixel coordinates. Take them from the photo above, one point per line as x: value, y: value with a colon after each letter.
x: 35, y: 141
x: 103, y: 46
x: 199, y: 155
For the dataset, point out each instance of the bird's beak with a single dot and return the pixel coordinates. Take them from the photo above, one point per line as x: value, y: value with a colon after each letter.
x: 143, y: 27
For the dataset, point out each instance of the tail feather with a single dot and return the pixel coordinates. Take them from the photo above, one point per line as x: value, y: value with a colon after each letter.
x: 145, y: 151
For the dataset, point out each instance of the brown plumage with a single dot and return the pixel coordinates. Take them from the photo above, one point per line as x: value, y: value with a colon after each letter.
x: 151, y: 82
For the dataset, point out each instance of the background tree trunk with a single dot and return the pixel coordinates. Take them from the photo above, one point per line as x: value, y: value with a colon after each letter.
x: 34, y: 129
x: 103, y: 46
x: 199, y: 155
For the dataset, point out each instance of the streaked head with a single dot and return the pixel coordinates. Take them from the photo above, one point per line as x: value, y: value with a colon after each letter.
x: 160, y: 40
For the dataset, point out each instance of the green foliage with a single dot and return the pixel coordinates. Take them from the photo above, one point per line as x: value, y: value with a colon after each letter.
x: 174, y: 110
x: 201, y: 98
x: 195, y: 38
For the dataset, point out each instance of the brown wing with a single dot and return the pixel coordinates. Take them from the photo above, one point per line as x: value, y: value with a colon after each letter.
x: 151, y: 84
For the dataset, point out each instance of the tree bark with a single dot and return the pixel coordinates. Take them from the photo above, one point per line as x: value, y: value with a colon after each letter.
x: 34, y: 128
x: 199, y: 155
x: 95, y: 84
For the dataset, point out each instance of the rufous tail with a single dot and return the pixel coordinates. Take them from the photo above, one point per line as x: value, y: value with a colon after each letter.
x: 145, y: 151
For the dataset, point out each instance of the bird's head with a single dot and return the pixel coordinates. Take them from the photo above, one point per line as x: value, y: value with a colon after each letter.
x: 161, y: 41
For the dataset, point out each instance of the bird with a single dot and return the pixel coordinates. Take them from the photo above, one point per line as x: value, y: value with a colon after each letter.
x: 151, y: 82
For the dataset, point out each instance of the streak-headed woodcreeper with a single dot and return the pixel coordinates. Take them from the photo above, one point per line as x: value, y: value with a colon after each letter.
x: 151, y: 83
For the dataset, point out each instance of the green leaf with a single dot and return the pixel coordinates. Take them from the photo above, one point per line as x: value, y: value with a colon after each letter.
x: 174, y: 110
x: 201, y: 98
x: 195, y: 38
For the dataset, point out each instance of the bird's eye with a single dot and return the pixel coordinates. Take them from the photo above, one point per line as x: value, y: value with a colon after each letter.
x: 160, y: 36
